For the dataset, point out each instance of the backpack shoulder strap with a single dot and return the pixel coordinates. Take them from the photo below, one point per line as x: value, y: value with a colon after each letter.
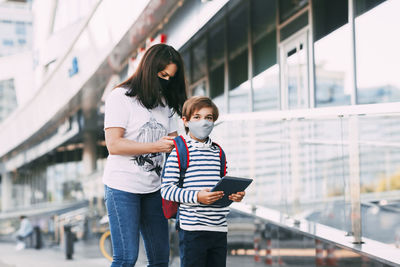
x: 222, y: 158
x: 182, y: 152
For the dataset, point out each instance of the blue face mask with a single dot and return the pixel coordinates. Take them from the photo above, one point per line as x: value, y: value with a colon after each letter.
x: 200, y: 129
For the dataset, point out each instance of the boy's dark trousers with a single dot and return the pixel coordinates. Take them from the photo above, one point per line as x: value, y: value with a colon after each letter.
x: 202, y: 248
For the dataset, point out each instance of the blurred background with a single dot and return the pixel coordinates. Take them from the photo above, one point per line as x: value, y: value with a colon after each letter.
x: 309, y: 92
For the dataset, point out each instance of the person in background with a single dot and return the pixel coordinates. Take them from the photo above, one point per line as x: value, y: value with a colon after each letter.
x: 139, y: 128
x: 202, y: 227
x: 25, y: 230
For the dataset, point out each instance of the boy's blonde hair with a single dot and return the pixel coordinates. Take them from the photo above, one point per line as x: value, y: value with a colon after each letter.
x: 196, y: 103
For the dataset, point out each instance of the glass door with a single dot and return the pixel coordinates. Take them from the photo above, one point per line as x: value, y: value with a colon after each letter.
x: 294, y: 71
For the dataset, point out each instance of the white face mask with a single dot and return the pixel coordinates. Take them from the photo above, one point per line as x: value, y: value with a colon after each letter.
x: 200, y: 129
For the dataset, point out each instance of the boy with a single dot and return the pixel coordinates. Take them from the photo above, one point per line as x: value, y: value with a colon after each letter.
x: 202, y: 228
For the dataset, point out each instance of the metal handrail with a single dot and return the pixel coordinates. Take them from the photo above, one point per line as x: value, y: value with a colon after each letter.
x: 373, y: 249
x: 387, y: 109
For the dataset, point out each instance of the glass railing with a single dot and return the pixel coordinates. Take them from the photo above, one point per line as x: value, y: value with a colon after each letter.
x: 338, y: 167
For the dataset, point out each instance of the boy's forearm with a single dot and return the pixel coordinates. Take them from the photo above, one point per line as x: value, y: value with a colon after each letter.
x: 173, y: 193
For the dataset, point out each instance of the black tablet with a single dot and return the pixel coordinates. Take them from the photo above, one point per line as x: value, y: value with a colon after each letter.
x: 230, y: 185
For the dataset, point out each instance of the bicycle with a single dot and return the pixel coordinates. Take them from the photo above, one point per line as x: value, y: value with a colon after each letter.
x: 106, y: 245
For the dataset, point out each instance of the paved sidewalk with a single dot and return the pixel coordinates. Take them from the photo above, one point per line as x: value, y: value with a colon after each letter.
x: 47, y: 257
x: 86, y: 254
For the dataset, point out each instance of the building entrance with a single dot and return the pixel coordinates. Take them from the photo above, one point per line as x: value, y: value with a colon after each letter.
x: 295, y: 71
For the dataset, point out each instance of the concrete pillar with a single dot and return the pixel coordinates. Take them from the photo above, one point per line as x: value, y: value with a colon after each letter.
x: 6, y: 190
x: 89, y: 154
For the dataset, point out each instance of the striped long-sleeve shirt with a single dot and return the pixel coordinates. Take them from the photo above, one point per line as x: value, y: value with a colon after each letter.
x: 203, y: 172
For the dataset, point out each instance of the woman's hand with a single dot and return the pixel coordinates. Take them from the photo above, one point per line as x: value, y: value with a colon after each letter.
x: 237, y: 197
x: 207, y: 197
x: 165, y: 144
x: 118, y: 145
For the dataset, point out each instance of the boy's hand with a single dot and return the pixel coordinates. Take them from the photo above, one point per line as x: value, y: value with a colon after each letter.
x: 207, y: 197
x: 237, y: 197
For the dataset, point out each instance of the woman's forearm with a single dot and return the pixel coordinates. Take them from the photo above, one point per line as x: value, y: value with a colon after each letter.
x: 122, y: 146
x: 118, y: 145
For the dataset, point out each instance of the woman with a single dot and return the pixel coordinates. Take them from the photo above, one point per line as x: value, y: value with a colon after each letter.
x: 139, y: 127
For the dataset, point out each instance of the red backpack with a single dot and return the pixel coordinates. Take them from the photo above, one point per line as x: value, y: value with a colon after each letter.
x: 170, y: 208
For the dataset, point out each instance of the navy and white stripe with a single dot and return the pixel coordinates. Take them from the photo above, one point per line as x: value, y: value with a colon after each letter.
x: 203, y: 172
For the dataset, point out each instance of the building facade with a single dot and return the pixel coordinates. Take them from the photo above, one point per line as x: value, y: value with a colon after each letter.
x: 15, y: 38
x: 15, y: 27
x: 308, y: 91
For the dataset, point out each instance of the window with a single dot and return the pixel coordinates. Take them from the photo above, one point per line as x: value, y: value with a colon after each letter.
x: 8, y: 42
x: 237, y: 44
x: 20, y: 28
x: 329, y: 16
x: 287, y: 8
x: 264, y: 53
x: 8, y: 98
x: 377, y: 51
x: 363, y: 6
x: 238, y: 59
x: 199, y: 54
x: 294, y: 26
x: 266, y: 77
x: 216, y: 48
x: 217, y: 82
x: 332, y: 53
x: 188, y: 65
x: 264, y: 34
x: 199, y: 89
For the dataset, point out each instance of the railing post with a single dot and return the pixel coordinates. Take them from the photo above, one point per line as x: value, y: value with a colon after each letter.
x: 354, y: 167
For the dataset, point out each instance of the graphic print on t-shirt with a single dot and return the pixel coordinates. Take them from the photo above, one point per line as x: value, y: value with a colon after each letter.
x: 151, y: 131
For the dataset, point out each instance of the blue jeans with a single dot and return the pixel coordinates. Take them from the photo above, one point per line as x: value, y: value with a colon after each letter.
x: 130, y: 214
x: 202, y: 248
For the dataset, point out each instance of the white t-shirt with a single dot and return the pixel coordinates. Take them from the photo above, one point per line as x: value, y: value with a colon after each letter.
x: 136, y: 174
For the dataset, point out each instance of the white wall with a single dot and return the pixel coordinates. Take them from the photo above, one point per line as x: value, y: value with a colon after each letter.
x: 43, y: 12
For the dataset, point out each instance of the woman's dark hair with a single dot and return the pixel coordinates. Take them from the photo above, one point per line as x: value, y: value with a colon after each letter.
x: 145, y: 85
